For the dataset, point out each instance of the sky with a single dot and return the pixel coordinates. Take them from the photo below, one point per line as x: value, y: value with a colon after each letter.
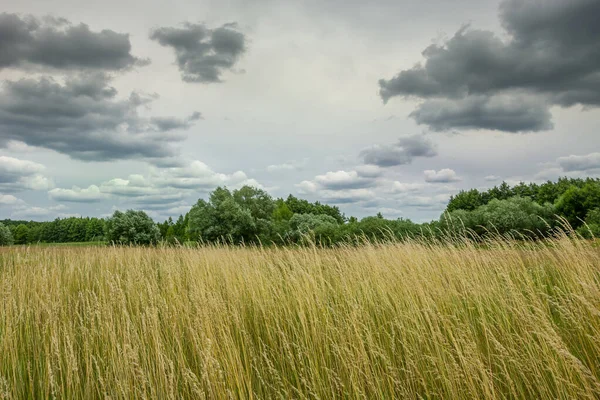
x: 387, y: 106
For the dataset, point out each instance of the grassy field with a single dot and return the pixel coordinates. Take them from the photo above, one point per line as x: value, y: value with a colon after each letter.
x: 67, y: 244
x: 404, y: 320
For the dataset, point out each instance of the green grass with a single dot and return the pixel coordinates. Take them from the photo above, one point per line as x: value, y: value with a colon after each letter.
x: 380, y: 321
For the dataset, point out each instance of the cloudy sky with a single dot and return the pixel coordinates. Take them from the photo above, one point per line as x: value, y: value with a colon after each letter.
x: 385, y: 106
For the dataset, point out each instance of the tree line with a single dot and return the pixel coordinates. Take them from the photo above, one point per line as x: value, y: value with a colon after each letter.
x: 251, y: 216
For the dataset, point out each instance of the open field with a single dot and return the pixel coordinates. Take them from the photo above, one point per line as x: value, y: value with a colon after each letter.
x: 380, y: 321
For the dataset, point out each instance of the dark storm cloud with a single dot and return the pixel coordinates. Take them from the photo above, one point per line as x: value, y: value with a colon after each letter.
x: 82, y: 118
x: 553, y: 52
x: 399, y: 153
x: 55, y: 43
x: 202, y: 54
x: 501, y: 112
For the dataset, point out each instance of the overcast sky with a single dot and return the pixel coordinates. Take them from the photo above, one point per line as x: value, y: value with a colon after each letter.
x: 384, y: 106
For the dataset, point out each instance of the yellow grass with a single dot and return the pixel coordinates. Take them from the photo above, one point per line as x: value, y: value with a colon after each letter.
x: 403, y: 320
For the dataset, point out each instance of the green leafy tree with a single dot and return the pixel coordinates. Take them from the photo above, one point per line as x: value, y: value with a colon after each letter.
x: 132, y: 227
x: 515, y: 214
x: 221, y: 218
x: 94, y: 230
x: 21, y: 234
x: 465, y: 200
x: 6, y: 237
x: 170, y: 235
x: 592, y: 225
x: 301, y: 206
x: 282, y: 212
x: 575, y: 203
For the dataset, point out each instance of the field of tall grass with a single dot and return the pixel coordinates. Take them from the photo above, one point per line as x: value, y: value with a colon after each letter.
x: 411, y: 320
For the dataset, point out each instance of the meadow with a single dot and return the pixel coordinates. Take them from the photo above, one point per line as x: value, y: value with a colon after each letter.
x: 411, y: 319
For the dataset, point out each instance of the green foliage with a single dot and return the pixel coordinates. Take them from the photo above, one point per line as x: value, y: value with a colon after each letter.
x: 547, y: 192
x: 251, y: 215
x: 6, y: 237
x: 222, y: 218
x: 591, y: 228
x: 465, y: 200
x: 132, y: 227
x: 576, y: 202
x: 21, y: 234
x: 282, y: 212
x: 514, y: 215
x: 66, y: 230
x: 319, y: 226
x: 300, y: 206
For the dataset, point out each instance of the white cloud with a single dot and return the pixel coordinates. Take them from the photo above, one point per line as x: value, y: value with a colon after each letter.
x: 18, y: 175
x: 347, y: 195
x: 198, y: 176
x: 10, y: 200
x: 76, y: 194
x: 492, y: 178
x: 343, y: 180
x: 38, y: 212
x: 436, y: 201
x: 306, y: 187
x: 162, y: 189
x: 293, y: 165
x: 442, y: 176
x: 402, y: 187
x: 579, y: 163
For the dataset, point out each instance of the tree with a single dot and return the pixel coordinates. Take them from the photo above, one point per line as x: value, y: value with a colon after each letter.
x: 282, y: 212
x: 6, y: 237
x: 592, y: 225
x: 257, y: 201
x: 132, y: 227
x: 465, y: 200
x: 170, y: 235
x: 179, y: 229
x: 221, y: 218
x: 575, y: 203
x: 301, y: 206
x: 21, y: 234
x: 515, y: 214
x: 94, y: 230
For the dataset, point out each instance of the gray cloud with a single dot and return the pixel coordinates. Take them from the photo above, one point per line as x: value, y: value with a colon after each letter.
x: 165, y: 124
x: 400, y: 153
x: 553, y: 52
x: 202, y: 54
x: 55, y: 43
x: 500, y: 112
x: 82, y: 118
x: 579, y: 163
